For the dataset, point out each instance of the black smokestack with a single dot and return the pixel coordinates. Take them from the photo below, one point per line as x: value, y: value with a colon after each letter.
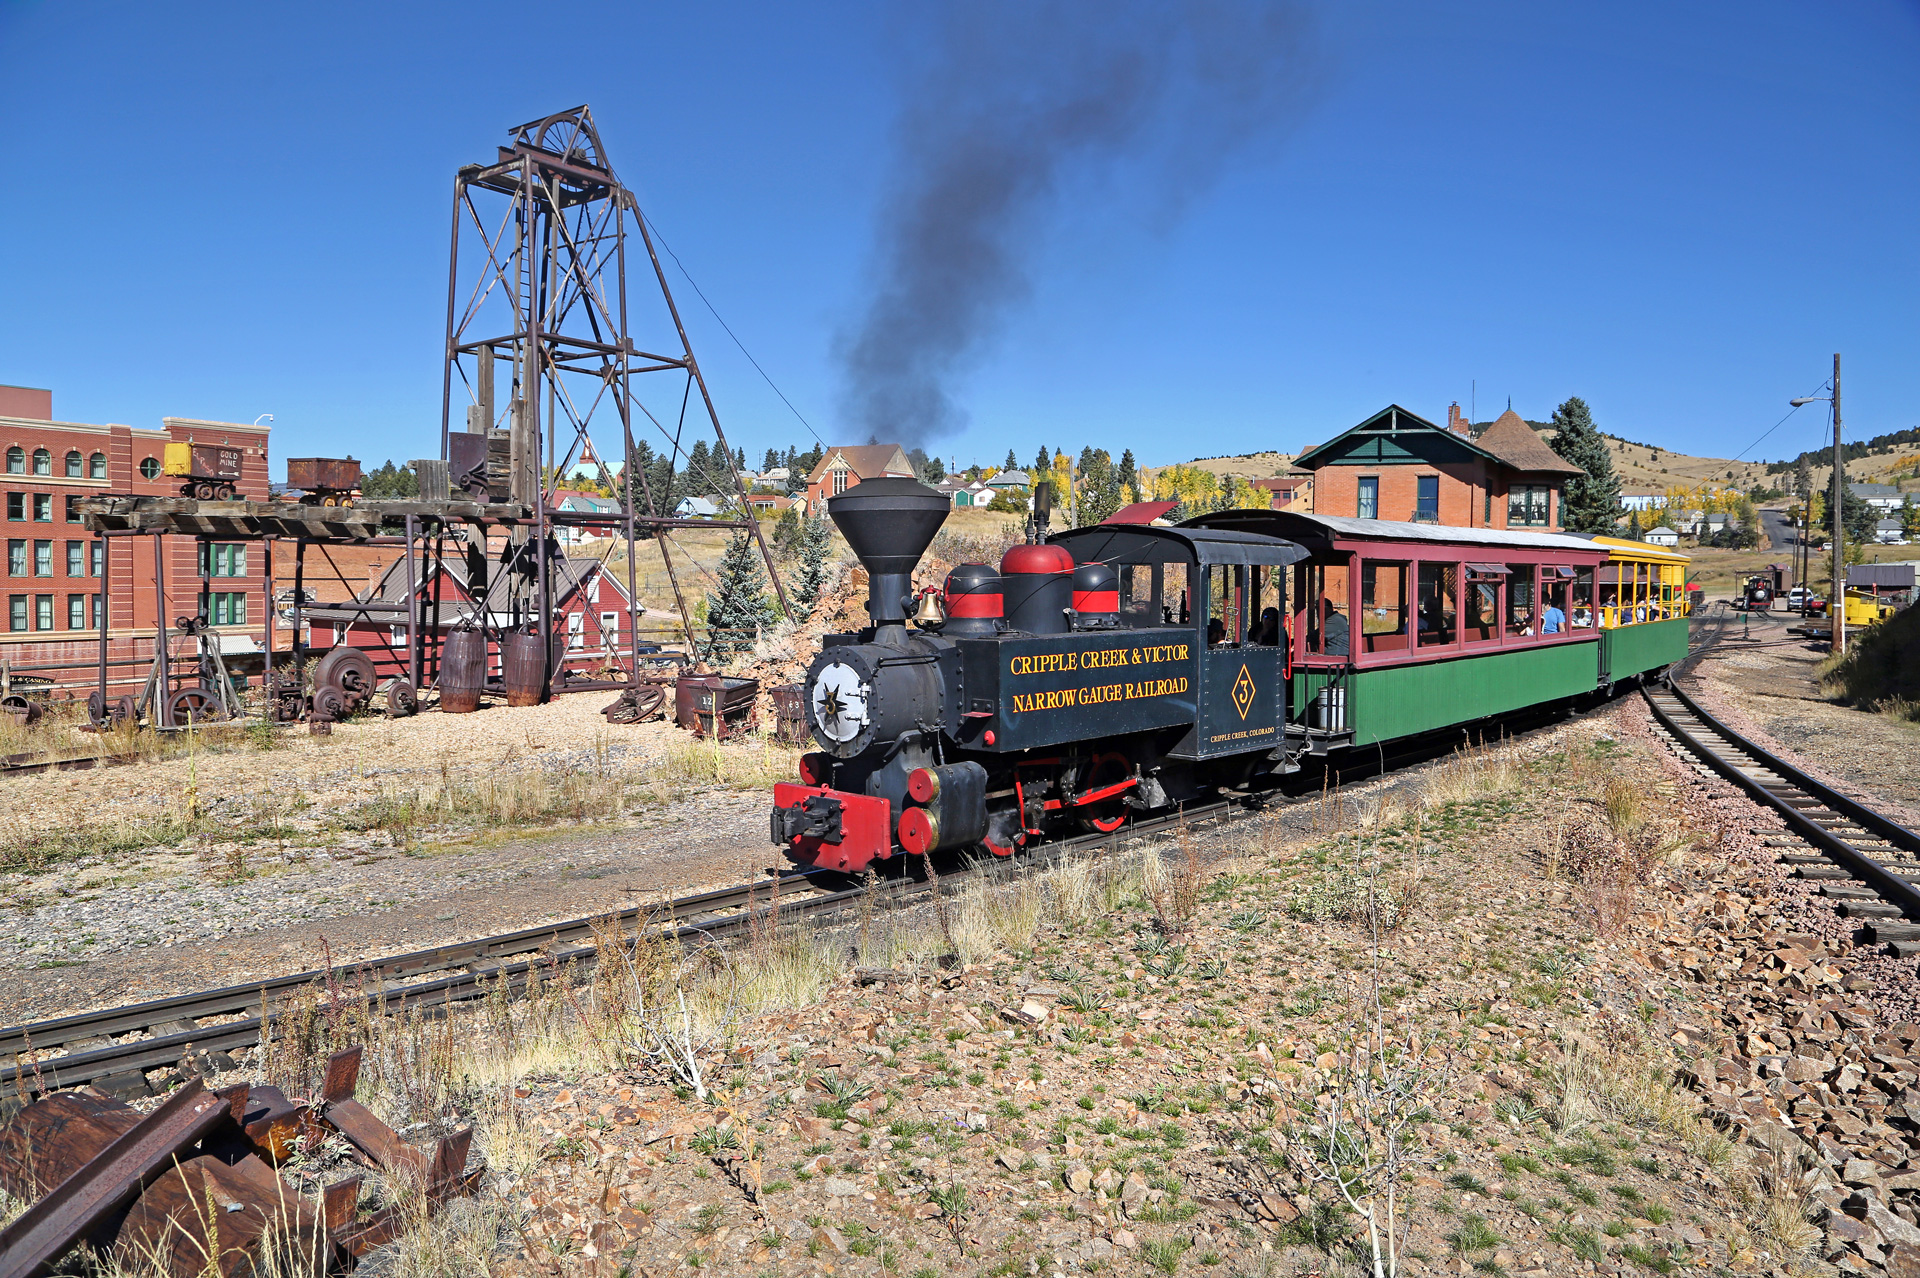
x: 1017, y: 106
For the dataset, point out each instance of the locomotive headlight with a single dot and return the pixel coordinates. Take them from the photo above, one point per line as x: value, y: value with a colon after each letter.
x: 840, y: 702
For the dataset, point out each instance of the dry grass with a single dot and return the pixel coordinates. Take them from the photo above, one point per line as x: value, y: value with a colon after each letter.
x: 1631, y: 1080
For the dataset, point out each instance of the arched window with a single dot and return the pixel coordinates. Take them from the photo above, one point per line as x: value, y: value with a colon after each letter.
x: 16, y: 460
x: 150, y: 468
x: 97, y: 466
x: 42, y: 462
x: 73, y: 464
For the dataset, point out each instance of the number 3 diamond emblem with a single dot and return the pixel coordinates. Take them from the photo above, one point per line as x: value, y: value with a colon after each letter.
x: 1243, y: 692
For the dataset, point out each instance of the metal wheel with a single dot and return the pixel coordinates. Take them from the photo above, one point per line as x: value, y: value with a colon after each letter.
x: 97, y: 708
x: 349, y: 670
x: 224, y: 492
x: 329, y: 703
x: 126, y: 710
x: 203, y: 491
x: 401, y: 699
x: 1107, y: 815
x: 196, y: 705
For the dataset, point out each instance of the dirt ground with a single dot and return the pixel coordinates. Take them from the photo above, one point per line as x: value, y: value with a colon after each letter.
x: 1125, y: 1092
x: 341, y: 844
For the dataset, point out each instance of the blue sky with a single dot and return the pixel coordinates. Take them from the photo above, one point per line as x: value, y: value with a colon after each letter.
x: 1676, y: 212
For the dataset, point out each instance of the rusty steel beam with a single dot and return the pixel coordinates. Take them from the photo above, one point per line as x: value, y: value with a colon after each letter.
x: 53, y: 1225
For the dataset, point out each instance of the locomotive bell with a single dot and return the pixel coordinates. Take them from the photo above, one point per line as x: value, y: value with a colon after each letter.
x: 931, y: 614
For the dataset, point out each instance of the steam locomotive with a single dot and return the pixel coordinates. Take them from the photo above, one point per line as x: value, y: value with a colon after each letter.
x: 1128, y: 668
x: 1069, y: 684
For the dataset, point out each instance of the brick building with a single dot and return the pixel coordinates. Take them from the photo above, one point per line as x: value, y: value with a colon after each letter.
x: 1398, y: 465
x: 841, y: 468
x: 53, y: 565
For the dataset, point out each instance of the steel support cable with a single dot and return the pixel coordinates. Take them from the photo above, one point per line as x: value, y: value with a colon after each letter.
x: 701, y: 294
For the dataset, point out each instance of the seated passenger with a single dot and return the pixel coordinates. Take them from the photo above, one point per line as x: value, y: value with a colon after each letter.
x: 1216, y: 632
x: 1267, y: 632
x: 1582, y: 616
x: 1552, y: 620
x: 1335, y: 635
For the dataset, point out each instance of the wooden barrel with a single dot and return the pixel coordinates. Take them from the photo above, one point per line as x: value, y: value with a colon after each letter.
x: 463, y: 671
x: 525, y: 660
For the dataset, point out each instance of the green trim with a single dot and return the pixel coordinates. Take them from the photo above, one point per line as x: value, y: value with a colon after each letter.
x: 1632, y: 650
x: 1389, y: 702
x: 1377, y: 441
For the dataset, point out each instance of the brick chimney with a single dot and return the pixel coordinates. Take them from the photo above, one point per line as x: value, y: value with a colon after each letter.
x: 1455, y: 422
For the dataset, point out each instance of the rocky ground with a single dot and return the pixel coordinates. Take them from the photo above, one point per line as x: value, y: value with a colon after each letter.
x: 1135, y: 1087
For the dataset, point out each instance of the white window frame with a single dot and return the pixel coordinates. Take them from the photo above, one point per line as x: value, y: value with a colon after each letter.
x: 576, y: 631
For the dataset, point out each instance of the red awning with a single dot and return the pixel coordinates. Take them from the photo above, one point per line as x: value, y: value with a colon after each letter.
x: 1140, y: 512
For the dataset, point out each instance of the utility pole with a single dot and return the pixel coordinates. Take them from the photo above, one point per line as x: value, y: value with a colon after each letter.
x: 1839, y: 605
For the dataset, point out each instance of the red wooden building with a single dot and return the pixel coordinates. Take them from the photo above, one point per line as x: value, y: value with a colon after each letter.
x: 589, y: 602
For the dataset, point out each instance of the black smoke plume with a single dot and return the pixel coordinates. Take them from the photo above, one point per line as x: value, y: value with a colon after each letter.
x: 1017, y: 107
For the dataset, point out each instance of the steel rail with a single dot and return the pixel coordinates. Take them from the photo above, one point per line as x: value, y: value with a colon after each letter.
x: 753, y: 904
x: 171, y: 1020
x: 1818, y: 813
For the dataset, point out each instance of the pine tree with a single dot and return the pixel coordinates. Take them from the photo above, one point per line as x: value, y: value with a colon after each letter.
x: 771, y: 460
x: 738, y: 607
x: 1013, y: 463
x: 815, y: 545
x: 740, y: 460
x: 1043, y: 460
x: 1129, y: 477
x: 1592, y: 500
x: 694, y: 481
x: 1857, y: 515
x: 1633, y: 525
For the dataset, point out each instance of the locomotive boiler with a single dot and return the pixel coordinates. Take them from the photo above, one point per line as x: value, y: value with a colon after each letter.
x: 1099, y: 673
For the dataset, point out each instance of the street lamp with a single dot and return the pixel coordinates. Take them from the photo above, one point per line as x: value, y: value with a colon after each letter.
x: 264, y: 417
x: 1837, y: 608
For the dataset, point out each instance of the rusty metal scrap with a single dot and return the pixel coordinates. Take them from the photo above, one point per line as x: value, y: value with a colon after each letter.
x: 191, y: 1188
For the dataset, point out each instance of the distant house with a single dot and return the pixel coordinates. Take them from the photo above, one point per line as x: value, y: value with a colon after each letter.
x: 1661, y: 536
x: 1687, y: 522
x: 964, y: 495
x: 774, y: 504
x: 1640, y: 499
x: 775, y: 478
x: 1888, y: 532
x: 1289, y: 492
x: 696, y: 508
x: 1398, y: 465
x: 1882, y: 496
x: 1009, y: 481
x: 843, y: 467
x: 573, y: 501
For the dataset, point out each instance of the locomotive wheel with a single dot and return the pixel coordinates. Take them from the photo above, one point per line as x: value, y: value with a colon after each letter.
x: 401, y: 699
x: 196, y: 705
x: 126, y: 710
x: 203, y: 491
x: 1107, y: 815
x: 351, y: 671
x: 97, y: 708
x: 329, y: 703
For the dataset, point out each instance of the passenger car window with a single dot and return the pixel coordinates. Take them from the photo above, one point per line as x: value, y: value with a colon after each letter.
x: 1437, y: 609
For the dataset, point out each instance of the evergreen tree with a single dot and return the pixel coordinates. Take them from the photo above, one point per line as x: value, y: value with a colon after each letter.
x: 738, y: 607
x: 770, y: 461
x: 740, y: 460
x: 787, y: 532
x: 389, y: 482
x: 695, y: 480
x: 1013, y: 463
x: 1633, y: 525
x: 1043, y: 461
x: 1100, y: 492
x: 1856, y: 515
x: 933, y: 471
x: 1129, y: 478
x: 815, y: 545
x: 1592, y: 500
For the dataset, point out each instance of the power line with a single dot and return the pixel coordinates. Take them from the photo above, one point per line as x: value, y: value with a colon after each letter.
x: 730, y: 333
x: 1776, y: 426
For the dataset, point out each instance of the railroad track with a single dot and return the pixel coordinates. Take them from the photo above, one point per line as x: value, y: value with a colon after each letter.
x: 1866, y: 862
x: 114, y: 1048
